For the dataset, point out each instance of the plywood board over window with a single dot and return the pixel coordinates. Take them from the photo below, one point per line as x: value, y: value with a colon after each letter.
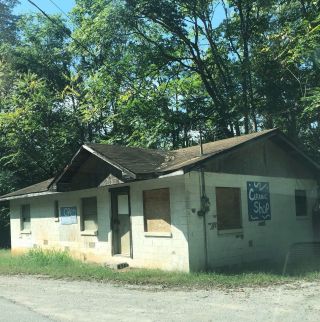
x: 157, y: 210
x: 228, y: 208
x: 89, y: 214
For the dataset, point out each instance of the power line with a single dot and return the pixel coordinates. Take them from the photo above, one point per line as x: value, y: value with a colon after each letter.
x: 89, y: 51
x: 62, y: 11
x: 59, y: 8
x: 66, y: 14
x: 66, y: 31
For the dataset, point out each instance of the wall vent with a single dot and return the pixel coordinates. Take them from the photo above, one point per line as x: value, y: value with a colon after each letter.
x: 92, y: 245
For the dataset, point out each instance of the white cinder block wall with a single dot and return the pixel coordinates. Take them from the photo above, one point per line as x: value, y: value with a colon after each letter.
x: 184, y: 249
x: 156, y: 251
x: 152, y: 251
x: 268, y: 242
x: 48, y: 233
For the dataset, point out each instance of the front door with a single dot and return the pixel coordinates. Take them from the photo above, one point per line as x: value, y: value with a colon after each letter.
x: 121, y: 222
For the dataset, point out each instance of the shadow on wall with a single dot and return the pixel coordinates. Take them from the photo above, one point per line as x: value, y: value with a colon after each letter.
x: 5, y: 238
x: 300, y: 260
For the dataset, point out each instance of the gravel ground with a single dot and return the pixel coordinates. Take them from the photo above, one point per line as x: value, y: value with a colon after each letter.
x: 25, y: 298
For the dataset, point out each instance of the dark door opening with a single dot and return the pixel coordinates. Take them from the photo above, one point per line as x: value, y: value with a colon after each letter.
x: 121, y: 222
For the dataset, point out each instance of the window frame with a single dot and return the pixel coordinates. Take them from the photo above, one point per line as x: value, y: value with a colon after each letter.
x: 156, y: 233
x: 83, y: 230
x: 233, y: 230
x: 23, y: 229
x: 56, y: 210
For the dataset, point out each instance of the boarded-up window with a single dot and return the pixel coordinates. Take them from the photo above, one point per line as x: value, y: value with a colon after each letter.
x: 157, y: 210
x: 228, y: 208
x: 89, y: 218
x: 301, y: 203
x: 25, y: 217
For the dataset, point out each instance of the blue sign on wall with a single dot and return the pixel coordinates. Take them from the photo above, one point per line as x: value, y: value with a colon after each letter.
x: 68, y: 215
x: 258, y: 201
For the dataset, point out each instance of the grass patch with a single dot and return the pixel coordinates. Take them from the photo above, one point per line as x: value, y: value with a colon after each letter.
x: 60, y: 265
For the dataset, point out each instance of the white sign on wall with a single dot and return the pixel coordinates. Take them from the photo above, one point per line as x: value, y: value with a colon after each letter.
x: 68, y: 215
x: 123, y: 205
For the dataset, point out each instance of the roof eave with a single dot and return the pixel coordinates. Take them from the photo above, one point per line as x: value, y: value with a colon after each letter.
x: 298, y: 150
x: 28, y: 195
x: 66, y: 168
x: 276, y: 132
x: 125, y: 171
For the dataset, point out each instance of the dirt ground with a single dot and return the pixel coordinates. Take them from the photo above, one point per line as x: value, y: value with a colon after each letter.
x: 24, y: 298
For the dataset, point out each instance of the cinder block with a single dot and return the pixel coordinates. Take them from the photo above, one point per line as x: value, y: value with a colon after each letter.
x: 117, y: 266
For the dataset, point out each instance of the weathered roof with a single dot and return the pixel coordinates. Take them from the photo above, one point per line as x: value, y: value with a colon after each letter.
x: 189, y: 156
x: 142, y: 161
x: 136, y: 160
x: 139, y: 161
x: 36, y: 188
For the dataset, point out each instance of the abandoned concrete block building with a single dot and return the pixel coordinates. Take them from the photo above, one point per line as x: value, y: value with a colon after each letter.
x: 244, y: 199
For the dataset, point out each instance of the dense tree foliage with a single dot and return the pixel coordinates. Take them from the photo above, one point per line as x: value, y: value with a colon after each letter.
x: 38, y: 130
x: 153, y: 73
x: 7, y: 21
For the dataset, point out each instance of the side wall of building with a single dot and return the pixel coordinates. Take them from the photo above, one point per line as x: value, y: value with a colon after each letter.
x: 47, y: 232
x: 163, y: 251
x: 266, y: 240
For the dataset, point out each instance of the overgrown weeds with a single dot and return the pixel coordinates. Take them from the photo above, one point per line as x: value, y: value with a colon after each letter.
x: 60, y: 265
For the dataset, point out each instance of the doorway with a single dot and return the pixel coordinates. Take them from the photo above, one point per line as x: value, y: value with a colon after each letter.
x: 121, y: 222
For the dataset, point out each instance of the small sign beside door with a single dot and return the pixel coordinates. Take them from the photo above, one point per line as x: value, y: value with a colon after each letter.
x: 258, y: 201
x: 123, y: 205
x: 68, y: 215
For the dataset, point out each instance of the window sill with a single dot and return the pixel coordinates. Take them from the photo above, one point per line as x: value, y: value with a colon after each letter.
x: 25, y: 232
x: 227, y: 232
x: 158, y: 234
x: 302, y: 217
x: 89, y: 233
x: 122, y: 255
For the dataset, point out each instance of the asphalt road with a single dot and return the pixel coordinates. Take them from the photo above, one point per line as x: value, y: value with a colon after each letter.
x: 39, y: 299
x: 12, y: 311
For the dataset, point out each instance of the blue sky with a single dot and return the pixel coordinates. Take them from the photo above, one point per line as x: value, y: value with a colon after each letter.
x: 46, y: 5
x: 66, y: 5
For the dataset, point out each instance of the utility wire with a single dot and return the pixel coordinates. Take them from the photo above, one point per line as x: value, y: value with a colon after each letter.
x: 89, y: 51
x: 61, y: 10
x: 67, y: 32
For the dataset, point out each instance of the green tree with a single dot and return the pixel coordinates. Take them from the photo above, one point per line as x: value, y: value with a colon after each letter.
x: 152, y: 73
x: 8, y: 20
x: 249, y: 70
x: 41, y: 48
x: 36, y: 131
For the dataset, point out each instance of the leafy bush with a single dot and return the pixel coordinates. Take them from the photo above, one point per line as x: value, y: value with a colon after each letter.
x: 48, y: 258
